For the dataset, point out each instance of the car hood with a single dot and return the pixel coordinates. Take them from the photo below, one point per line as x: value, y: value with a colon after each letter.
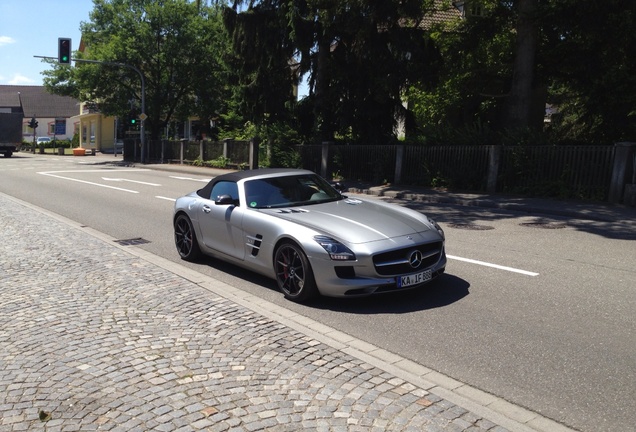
x: 354, y: 220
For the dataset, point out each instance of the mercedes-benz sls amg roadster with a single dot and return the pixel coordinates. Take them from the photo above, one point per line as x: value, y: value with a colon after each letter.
x: 296, y: 228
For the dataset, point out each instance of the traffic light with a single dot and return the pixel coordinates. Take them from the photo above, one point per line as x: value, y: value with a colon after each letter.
x: 33, y: 123
x: 132, y: 117
x: 64, y: 50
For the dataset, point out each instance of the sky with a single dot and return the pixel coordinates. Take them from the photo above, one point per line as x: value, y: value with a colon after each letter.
x: 31, y: 28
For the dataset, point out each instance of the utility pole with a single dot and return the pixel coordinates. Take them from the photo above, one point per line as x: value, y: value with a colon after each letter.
x: 143, y: 115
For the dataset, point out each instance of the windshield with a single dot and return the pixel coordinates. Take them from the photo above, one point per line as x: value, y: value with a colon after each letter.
x: 289, y: 191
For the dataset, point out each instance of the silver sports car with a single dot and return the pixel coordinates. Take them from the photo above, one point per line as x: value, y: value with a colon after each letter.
x: 295, y: 227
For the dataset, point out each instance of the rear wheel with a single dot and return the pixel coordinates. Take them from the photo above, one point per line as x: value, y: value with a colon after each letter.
x: 293, y: 273
x: 185, y: 239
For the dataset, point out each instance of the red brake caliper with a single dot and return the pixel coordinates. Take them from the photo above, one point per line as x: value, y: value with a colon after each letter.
x: 286, y: 267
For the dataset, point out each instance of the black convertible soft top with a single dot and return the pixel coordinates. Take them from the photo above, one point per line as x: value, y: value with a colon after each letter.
x: 235, y: 176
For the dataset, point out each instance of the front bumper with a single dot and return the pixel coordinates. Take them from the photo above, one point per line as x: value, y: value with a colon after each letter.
x: 359, y: 279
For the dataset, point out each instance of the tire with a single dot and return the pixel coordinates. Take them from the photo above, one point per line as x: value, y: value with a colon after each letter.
x: 294, y: 275
x: 185, y: 239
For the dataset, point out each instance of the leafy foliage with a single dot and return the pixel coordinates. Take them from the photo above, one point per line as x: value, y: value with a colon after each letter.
x: 358, y: 54
x: 370, y: 65
x: 582, y: 67
x: 592, y: 57
x: 176, y: 46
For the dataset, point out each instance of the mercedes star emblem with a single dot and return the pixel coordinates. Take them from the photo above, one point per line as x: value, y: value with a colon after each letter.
x: 415, y: 259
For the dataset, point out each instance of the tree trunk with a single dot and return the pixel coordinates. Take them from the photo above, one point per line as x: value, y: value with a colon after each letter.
x: 322, y: 115
x: 520, y: 100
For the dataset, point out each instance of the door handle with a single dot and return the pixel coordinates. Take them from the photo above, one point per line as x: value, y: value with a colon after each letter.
x: 206, y: 209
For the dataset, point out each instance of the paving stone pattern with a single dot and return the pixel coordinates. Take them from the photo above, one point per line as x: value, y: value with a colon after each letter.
x: 94, y: 338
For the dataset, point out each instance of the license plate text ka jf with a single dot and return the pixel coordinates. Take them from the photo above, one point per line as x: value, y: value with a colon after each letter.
x: 414, y: 279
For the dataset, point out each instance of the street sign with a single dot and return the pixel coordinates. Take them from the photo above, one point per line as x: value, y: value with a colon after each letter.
x: 60, y: 127
x: 143, y: 116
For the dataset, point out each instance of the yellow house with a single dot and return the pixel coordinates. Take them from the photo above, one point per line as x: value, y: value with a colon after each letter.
x: 96, y: 131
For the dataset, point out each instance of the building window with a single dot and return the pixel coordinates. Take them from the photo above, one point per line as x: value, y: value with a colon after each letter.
x: 469, y: 8
x: 474, y: 8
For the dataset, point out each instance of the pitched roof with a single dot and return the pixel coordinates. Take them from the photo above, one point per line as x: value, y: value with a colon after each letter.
x: 441, y: 13
x: 36, y: 101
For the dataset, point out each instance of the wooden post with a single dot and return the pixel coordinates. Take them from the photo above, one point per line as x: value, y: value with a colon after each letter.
x: 254, y: 144
x: 399, y: 159
x: 621, y: 170
x: 494, y: 159
x: 324, y: 163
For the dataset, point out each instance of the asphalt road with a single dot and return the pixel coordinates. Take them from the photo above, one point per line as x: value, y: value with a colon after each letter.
x: 542, y: 316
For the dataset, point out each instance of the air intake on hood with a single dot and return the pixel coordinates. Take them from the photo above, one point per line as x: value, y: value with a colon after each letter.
x: 289, y: 210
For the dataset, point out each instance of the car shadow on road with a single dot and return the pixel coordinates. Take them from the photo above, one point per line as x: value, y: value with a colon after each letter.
x: 444, y: 291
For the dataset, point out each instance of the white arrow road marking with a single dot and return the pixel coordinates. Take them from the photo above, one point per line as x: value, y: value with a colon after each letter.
x: 190, y: 178
x: 56, y: 174
x: 131, y: 181
x: 510, y: 269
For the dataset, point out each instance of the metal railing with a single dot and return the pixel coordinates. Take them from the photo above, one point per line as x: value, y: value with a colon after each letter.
x: 583, y: 172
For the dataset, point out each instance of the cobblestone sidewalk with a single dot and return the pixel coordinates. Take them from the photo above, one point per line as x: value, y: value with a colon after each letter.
x: 95, y: 338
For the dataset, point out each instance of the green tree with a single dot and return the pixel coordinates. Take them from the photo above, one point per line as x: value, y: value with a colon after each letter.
x: 177, y: 45
x: 501, y: 65
x: 591, y: 53
x: 359, y: 56
x: 476, y: 76
x: 261, y: 62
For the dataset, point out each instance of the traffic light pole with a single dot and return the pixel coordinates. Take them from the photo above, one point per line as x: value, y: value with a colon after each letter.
x: 33, y: 124
x: 143, y: 97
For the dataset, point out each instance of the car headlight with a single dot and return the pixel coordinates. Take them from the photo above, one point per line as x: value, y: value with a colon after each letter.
x: 437, y: 227
x: 336, y: 250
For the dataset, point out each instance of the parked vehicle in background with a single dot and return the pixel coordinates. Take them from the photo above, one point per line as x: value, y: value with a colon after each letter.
x: 10, y: 133
x: 42, y: 140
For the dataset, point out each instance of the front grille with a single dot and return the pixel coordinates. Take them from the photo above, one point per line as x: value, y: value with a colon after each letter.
x: 398, y: 262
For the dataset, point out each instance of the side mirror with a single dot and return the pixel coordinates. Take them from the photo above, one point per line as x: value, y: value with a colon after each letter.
x: 225, y: 200
x: 340, y: 187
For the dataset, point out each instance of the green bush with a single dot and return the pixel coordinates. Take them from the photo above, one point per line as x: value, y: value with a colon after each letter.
x: 59, y: 143
x: 220, y: 162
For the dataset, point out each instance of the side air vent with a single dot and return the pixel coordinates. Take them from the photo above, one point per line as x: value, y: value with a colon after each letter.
x: 254, y: 242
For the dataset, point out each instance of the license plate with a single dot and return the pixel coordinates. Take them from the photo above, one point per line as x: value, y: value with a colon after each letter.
x: 414, y: 279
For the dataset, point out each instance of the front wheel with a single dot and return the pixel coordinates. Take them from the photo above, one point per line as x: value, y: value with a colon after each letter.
x: 293, y: 273
x: 185, y: 239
